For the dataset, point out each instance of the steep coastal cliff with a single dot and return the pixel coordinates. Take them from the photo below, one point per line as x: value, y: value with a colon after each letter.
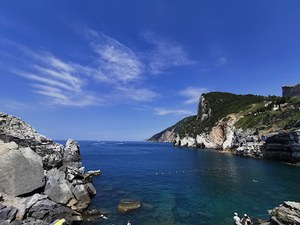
x: 243, y: 123
x: 41, y: 181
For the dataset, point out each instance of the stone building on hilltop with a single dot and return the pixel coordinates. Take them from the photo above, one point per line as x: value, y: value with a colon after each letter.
x: 291, y: 91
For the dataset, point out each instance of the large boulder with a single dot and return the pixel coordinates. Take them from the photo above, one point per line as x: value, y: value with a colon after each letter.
x: 82, y: 196
x: 57, y: 187
x: 14, y: 129
x: 40, y: 207
x: 21, y: 170
x: 72, y: 153
x: 286, y: 213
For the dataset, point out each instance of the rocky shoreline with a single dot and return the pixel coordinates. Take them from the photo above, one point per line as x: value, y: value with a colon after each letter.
x: 41, y: 181
x: 248, y: 125
x: 287, y: 213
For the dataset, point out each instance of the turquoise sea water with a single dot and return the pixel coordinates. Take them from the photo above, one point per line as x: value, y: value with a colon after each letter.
x: 184, y: 186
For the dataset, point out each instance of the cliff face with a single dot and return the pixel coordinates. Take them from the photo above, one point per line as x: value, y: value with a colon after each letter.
x: 41, y: 181
x: 228, y: 121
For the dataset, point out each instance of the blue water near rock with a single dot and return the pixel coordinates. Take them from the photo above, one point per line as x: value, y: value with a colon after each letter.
x: 184, y: 186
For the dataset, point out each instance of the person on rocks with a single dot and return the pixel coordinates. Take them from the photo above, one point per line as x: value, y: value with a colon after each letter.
x: 236, y: 219
x: 246, y: 220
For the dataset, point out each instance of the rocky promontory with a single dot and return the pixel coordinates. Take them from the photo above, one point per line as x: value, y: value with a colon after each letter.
x: 248, y: 125
x: 41, y: 181
x: 287, y: 213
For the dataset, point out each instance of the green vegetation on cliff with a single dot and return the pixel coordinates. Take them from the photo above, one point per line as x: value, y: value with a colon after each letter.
x: 221, y: 104
x: 286, y: 115
x: 183, y: 126
x: 253, y: 111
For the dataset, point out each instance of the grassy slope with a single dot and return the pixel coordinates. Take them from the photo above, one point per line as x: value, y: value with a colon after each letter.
x: 223, y: 104
x: 264, y: 118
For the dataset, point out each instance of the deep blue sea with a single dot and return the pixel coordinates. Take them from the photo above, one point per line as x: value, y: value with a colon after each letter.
x: 184, y: 186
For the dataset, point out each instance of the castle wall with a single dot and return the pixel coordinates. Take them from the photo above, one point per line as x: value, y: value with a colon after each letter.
x: 291, y: 91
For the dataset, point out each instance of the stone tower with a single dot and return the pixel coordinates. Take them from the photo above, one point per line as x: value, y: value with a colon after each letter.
x: 291, y: 91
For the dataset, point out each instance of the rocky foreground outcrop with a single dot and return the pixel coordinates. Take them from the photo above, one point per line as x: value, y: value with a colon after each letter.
x: 287, y: 213
x: 41, y: 181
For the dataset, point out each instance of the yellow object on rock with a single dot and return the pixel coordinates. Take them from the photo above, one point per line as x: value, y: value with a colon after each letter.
x: 60, y: 222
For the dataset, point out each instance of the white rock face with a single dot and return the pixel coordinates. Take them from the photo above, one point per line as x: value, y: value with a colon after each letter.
x: 188, y: 141
x: 168, y: 136
x: 202, y: 138
x: 220, y: 137
x: 228, y: 143
x: 21, y: 170
x: 229, y: 132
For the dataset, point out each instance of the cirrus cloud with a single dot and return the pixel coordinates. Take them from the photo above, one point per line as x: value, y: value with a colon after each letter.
x: 114, y: 65
x: 192, y: 94
x: 176, y: 112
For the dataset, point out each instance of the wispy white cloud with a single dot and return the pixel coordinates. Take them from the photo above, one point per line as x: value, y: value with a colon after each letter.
x: 115, y: 60
x: 192, y: 94
x: 13, y: 104
x: 165, y: 54
x: 176, y: 112
x: 220, y: 61
x: 61, y: 82
x: 118, y: 68
x: 137, y: 94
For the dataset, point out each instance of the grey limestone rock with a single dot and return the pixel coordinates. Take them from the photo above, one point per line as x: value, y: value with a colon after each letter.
x: 90, y: 188
x: 74, y: 172
x: 57, y: 187
x: 48, y: 211
x: 14, y: 129
x: 286, y: 213
x: 72, y: 152
x: 31, y: 221
x: 8, y: 213
x: 29, y: 162
x: 82, y: 196
x: 21, y: 170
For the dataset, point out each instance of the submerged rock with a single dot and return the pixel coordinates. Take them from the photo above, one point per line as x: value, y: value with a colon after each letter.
x: 127, y: 205
x: 92, y: 214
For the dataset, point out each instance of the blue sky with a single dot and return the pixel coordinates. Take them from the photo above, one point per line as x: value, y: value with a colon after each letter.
x: 124, y: 70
